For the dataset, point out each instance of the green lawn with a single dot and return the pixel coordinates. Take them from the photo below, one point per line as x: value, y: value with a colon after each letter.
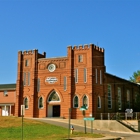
x: 11, y: 129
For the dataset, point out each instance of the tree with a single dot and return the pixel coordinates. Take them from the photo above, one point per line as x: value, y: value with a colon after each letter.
x: 135, y: 77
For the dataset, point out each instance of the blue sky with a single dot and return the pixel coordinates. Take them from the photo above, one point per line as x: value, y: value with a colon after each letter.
x: 52, y: 25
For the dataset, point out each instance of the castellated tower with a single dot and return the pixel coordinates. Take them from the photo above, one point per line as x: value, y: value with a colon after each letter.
x: 51, y: 87
x: 27, y: 80
x: 87, y: 77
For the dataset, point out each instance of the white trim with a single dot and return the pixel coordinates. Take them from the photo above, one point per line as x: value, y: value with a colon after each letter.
x: 51, y: 67
x: 27, y: 102
x: 99, y: 99
x: 5, y: 111
x: 53, y: 101
x: 39, y: 102
x: 87, y: 101
x: 50, y: 110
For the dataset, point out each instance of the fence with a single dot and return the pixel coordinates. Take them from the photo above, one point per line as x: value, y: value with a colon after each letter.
x: 117, y: 116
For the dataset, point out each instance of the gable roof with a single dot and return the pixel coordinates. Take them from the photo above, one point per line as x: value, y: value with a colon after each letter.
x: 7, y: 86
x: 127, y: 81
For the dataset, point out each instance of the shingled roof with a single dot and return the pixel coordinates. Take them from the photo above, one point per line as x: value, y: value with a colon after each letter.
x: 7, y: 86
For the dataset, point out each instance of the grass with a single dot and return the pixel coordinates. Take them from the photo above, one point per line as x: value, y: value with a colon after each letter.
x: 11, y: 129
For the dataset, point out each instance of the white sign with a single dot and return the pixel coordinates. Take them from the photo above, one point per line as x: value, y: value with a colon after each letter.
x: 22, y: 109
x: 51, y: 80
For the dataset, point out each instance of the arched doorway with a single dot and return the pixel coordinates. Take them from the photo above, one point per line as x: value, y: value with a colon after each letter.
x: 53, y: 107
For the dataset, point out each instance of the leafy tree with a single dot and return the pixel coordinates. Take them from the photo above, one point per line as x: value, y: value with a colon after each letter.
x: 135, y: 77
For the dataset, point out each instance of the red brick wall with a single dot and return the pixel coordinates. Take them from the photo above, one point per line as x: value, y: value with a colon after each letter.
x: 93, y: 60
x: 10, y: 98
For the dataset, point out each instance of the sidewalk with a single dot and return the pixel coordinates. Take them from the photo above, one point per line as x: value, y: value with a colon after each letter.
x: 106, y: 136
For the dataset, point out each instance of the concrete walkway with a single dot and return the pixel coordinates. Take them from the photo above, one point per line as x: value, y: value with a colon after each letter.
x: 80, y: 123
x: 105, y: 125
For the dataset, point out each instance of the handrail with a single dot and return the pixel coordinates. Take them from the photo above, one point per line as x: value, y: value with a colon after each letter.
x: 129, y: 125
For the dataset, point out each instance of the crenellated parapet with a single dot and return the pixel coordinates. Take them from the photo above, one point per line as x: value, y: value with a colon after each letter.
x: 31, y: 52
x: 98, y: 48
x: 25, y: 52
x: 86, y: 47
x: 81, y: 47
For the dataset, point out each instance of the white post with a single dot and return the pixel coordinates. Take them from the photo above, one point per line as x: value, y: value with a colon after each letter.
x: 108, y: 116
x: 125, y: 116
x: 136, y: 116
x: 10, y: 111
x: 101, y: 116
x: 5, y: 110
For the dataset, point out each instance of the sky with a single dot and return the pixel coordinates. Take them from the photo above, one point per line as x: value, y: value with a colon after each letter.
x: 52, y: 25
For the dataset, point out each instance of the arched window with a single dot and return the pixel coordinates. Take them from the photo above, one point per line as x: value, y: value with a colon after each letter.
x: 99, y: 102
x: 26, y: 103
x: 75, y: 102
x: 85, y: 101
x: 40, y: 102
x: 54, y: 97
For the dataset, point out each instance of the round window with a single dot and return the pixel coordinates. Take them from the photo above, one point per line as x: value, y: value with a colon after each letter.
x: 51, y: 67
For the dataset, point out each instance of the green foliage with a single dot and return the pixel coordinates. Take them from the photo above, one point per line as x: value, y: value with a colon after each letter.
x: 118, y: 117
x: 135, y: 77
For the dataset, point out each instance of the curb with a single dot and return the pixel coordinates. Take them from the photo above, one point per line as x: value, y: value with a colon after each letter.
x: 105, y: 138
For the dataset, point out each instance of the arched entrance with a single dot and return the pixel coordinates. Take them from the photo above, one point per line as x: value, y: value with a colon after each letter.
x: 53, y: 106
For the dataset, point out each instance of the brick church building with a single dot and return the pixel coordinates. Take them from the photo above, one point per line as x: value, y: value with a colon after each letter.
x: 51, y: 87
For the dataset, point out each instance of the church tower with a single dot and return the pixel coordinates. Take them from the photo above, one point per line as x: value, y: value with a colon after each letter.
x: 26, y: 85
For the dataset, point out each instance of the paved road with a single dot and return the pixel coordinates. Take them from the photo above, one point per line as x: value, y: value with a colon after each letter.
x: 126, y: 136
